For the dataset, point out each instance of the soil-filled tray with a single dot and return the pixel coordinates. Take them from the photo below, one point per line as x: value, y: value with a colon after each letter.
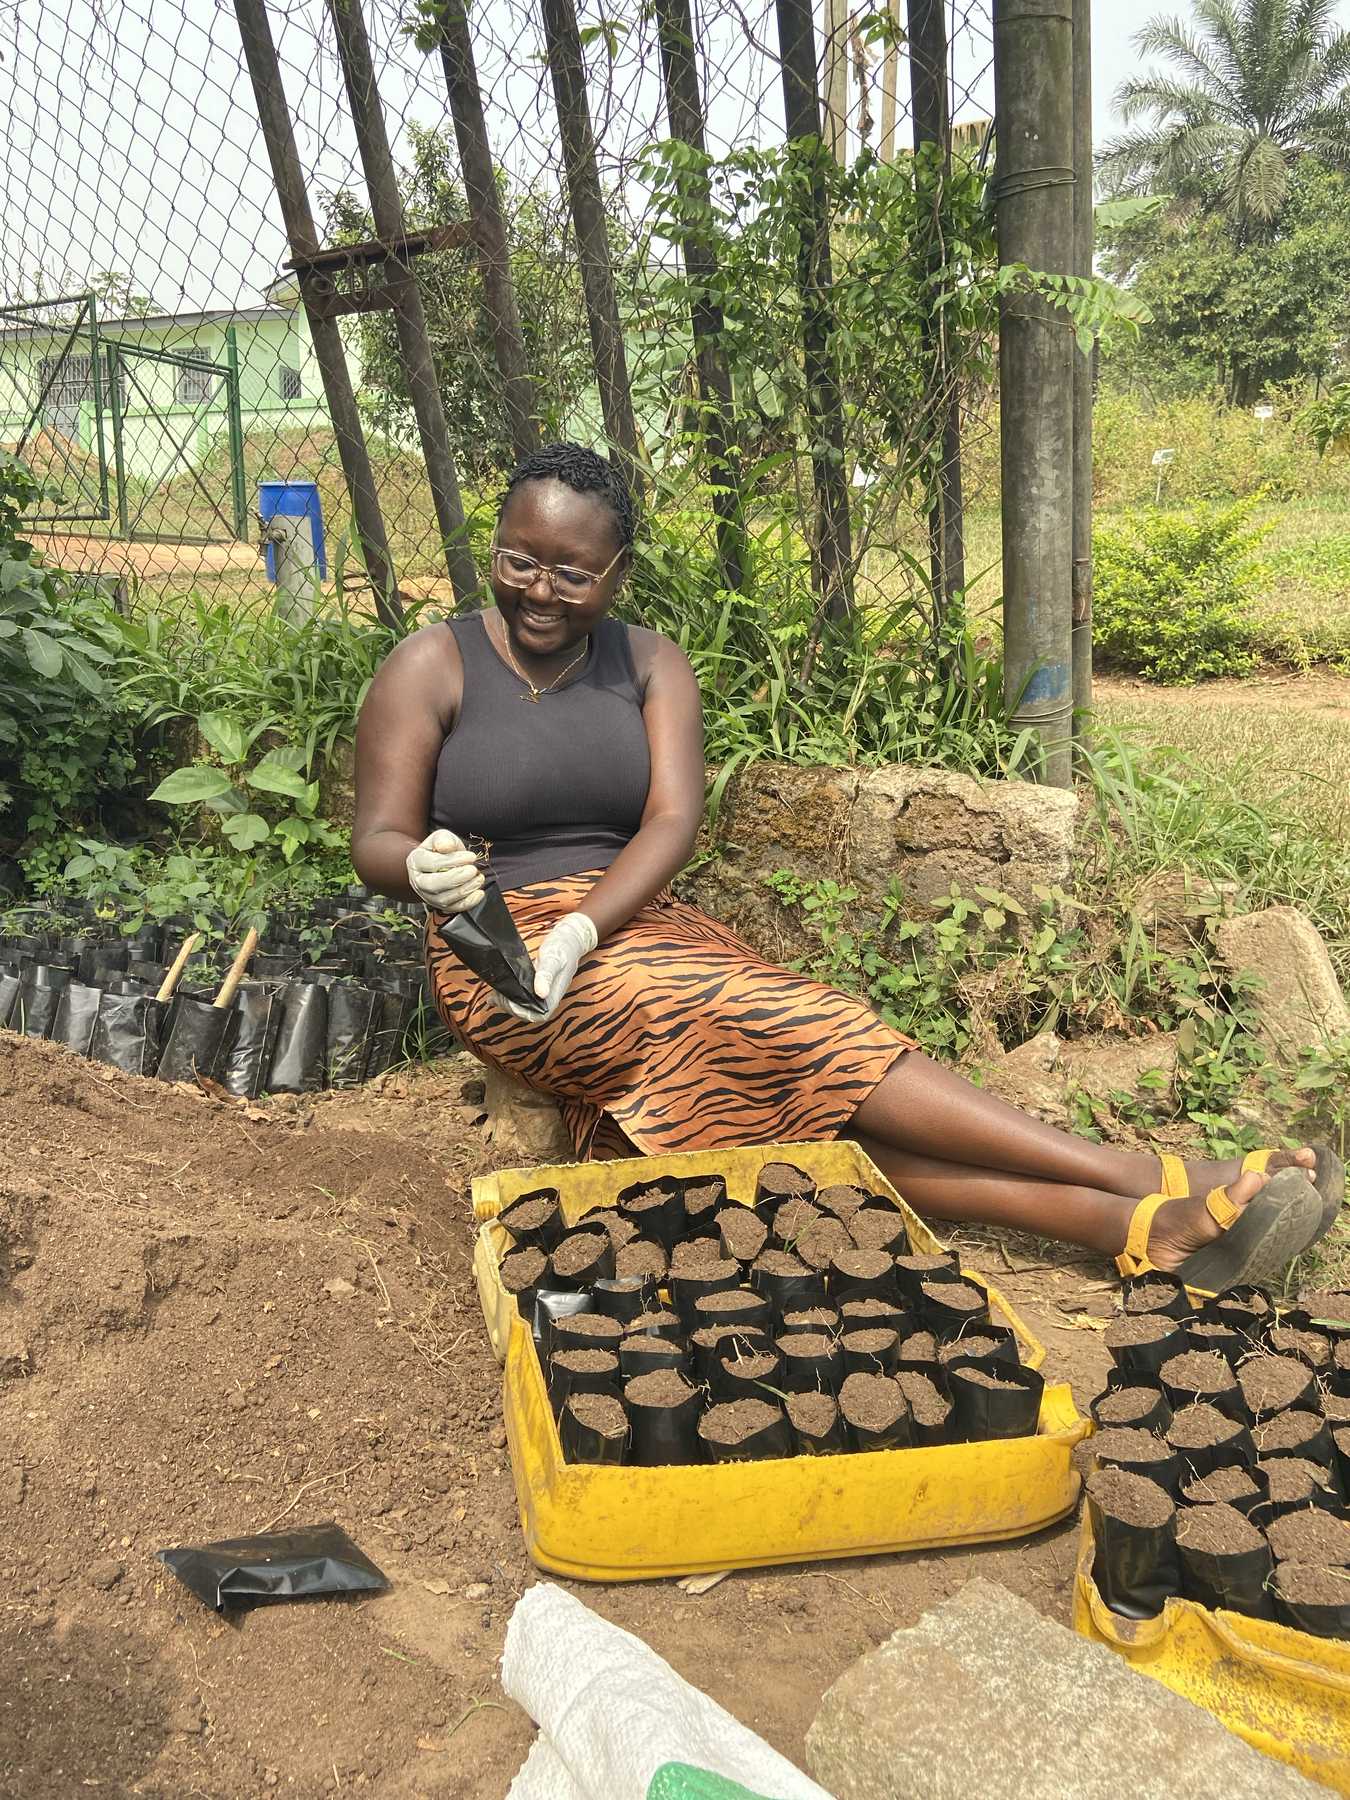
x: 1219, y: 1566
x: 596, y: 1521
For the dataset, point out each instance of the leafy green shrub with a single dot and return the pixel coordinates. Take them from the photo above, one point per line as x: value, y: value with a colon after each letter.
x: 1171, y: 589
x: 65, y: 730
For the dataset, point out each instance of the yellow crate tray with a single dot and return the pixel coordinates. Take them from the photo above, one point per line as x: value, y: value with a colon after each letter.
x: 1287, y: 1693
x: 596, y: 1523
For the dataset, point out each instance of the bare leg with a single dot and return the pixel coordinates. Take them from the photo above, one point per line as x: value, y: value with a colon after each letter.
x: 1074, y: 1214
x: 924, y: 1107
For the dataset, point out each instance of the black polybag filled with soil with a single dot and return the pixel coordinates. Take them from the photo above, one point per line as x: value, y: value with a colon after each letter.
x: 76, y: 1016
x: 759, y: 1428
x: 995, y: 1402
x: 581, y: 1372
x: 1134, y: 1528
x: 663, y: 1414
x: 1313, y: 1599
x: 252, y: 1043
x: 656, y: 1208
x: 9, y: 994
x: 787, y: 1290
x: 818, y: 1424
x: 301, y: 1039
x: 746, y: 1372
x: 686, y: 1289
x: 299, y: 1564
x: 1141, y: 1452
x: 129, y: 1032
x: 485, y: 939
x: 1151, y: 1410
x: 811, y: 1363
x: 197, y: 1039
x: 535, y: 1219
x: 644, y: 1355
x: 1225, y: 1561
x: 552, y: 1303
x: 625, y: 1297
x: 1158, y: 1291
x: 876, y: 1412
x: 714, y: 1342
x: 601, y: 1436
x: 582, y: 1258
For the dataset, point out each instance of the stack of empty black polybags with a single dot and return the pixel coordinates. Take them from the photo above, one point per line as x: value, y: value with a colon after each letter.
x: 336, y: 992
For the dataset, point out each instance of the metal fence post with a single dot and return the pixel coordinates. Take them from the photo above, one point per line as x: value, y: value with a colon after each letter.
x: 235, y: 427
x: 1083, y: 240
x: 833, y: 548
x: 275, y: 120
x: 932, y: 125
x: 684, y: 112
x: 562, y: 40
x: 1033, y: 112
x: 410, y: 319
x: 489, y: 228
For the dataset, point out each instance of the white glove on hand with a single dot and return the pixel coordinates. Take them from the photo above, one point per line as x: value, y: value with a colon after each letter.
x: 570, y: 939
x: 443, y: 873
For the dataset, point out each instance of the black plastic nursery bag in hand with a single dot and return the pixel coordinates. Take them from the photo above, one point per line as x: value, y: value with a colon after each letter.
x: 485, y: 940
x: 278, y: 1565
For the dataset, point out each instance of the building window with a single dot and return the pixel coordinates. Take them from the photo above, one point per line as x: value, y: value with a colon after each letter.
x: 71, y: 379
x: 193, y: 386
x: 289, y: 385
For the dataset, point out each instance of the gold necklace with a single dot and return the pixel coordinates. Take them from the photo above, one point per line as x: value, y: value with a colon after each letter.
x: 535, y: 692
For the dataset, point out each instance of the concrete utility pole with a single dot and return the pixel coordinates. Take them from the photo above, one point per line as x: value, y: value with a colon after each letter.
x: 1033, y: 129
x: 1083, y: 242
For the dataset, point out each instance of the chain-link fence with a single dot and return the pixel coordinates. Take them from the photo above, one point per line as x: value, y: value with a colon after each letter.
x: 636, y: 244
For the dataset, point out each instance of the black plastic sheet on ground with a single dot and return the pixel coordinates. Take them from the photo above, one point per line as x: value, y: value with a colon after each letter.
x: 301, y: 1564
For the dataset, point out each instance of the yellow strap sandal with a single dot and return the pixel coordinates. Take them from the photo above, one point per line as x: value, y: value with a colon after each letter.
x: 1255, y: 1241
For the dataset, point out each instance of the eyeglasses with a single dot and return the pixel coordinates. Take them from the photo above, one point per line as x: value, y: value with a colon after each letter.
x: 572, y: 586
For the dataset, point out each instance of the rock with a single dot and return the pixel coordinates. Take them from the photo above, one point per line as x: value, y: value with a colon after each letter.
x: 1300, y: 1002
x: 16, y: 1359
x: 985, y: 1697
x: 338, y: 1288
x: 105, y: 1574
x: 925, y: 828
x: 524, y: 1123
x: 1177, y: 908
x: 1030, y: 1077
x: 1113, y: 1066
x: 477, y: 1590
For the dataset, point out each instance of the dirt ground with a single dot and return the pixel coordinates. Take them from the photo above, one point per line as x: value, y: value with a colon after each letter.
x: 215, y: 1317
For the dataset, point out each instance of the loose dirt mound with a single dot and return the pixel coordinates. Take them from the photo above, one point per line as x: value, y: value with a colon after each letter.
x: 214, y: 1317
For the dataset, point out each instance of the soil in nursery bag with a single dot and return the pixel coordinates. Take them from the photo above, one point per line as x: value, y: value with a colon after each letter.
x: 876, y: 1411
x: 811, y: 1359
x: 1309, y: 1346
x: 732, y: 1306
x: 587, y: 1331
x: 619, y: 1231
x: 862, y: 1275
x: 991, y: 1345
x: 593, y: 1428
x: 816, y: 1420
x: 792, y: 1219
x: 645, y: 1354
x: 1145, y: 1407
x: 859, y: 1315
x: 782, y: 1181
x: 786, y: 1282
x: 1127, y: 1447
x: 1292, y: 1482
x: 535, y: 1219
x: 521, y: 1272
x: 744, y: 1373
x: 1156, y: 1293
x: 1311, y: 1536
x: 584, y: 1257
x: 1225, y: 1561
x: 663, y: 1412
x: 912, y: 1271
x: 995, y: 1402
x: 657, y: 1210
x: 932, y: 1414
x: 1133, y: 1525
x: 582, y: 1372
x: 1133, y: 1339
x: 624, y: 1297
x: 745, y: 1431
x: 641, y: 1258
x: 1221, y: 1487
x: 871, y: 1352
x: 877, y: 1228
x: 658, y: 1321
x: 742, y: 1233
x: 1294, y: 1433
x: 696, y: 1256
x: 817, y: 1318
x: 919, y: 1347
x: 820, y: 1243
x: 1336, y: 1409
x: 1208, y: 1439
x: 1272, y: 1384
x: 841, y: 1200
x: 1313, y: 1598
x: 128, y: 1032
x: 703, y: 1198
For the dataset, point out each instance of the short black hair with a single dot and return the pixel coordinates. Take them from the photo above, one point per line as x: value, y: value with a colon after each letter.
x: 585, y: 472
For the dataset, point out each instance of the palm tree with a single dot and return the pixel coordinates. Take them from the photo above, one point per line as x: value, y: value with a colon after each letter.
x: 1260, y: 83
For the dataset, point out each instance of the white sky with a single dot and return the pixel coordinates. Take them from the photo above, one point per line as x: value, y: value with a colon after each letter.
x: 129, y: 139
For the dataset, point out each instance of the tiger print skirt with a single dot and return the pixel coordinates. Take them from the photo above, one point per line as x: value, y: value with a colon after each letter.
x: 674, y: 1035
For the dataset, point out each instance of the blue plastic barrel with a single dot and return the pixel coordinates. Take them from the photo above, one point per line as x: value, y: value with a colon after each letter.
x: 296, y: 500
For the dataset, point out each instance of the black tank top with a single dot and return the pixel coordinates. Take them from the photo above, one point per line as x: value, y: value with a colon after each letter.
x: 554, y: 787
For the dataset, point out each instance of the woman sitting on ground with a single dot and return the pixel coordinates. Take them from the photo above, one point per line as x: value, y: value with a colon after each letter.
x: 572, y: 745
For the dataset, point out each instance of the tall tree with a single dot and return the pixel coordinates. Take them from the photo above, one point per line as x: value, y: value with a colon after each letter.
x: 1258, y: 84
